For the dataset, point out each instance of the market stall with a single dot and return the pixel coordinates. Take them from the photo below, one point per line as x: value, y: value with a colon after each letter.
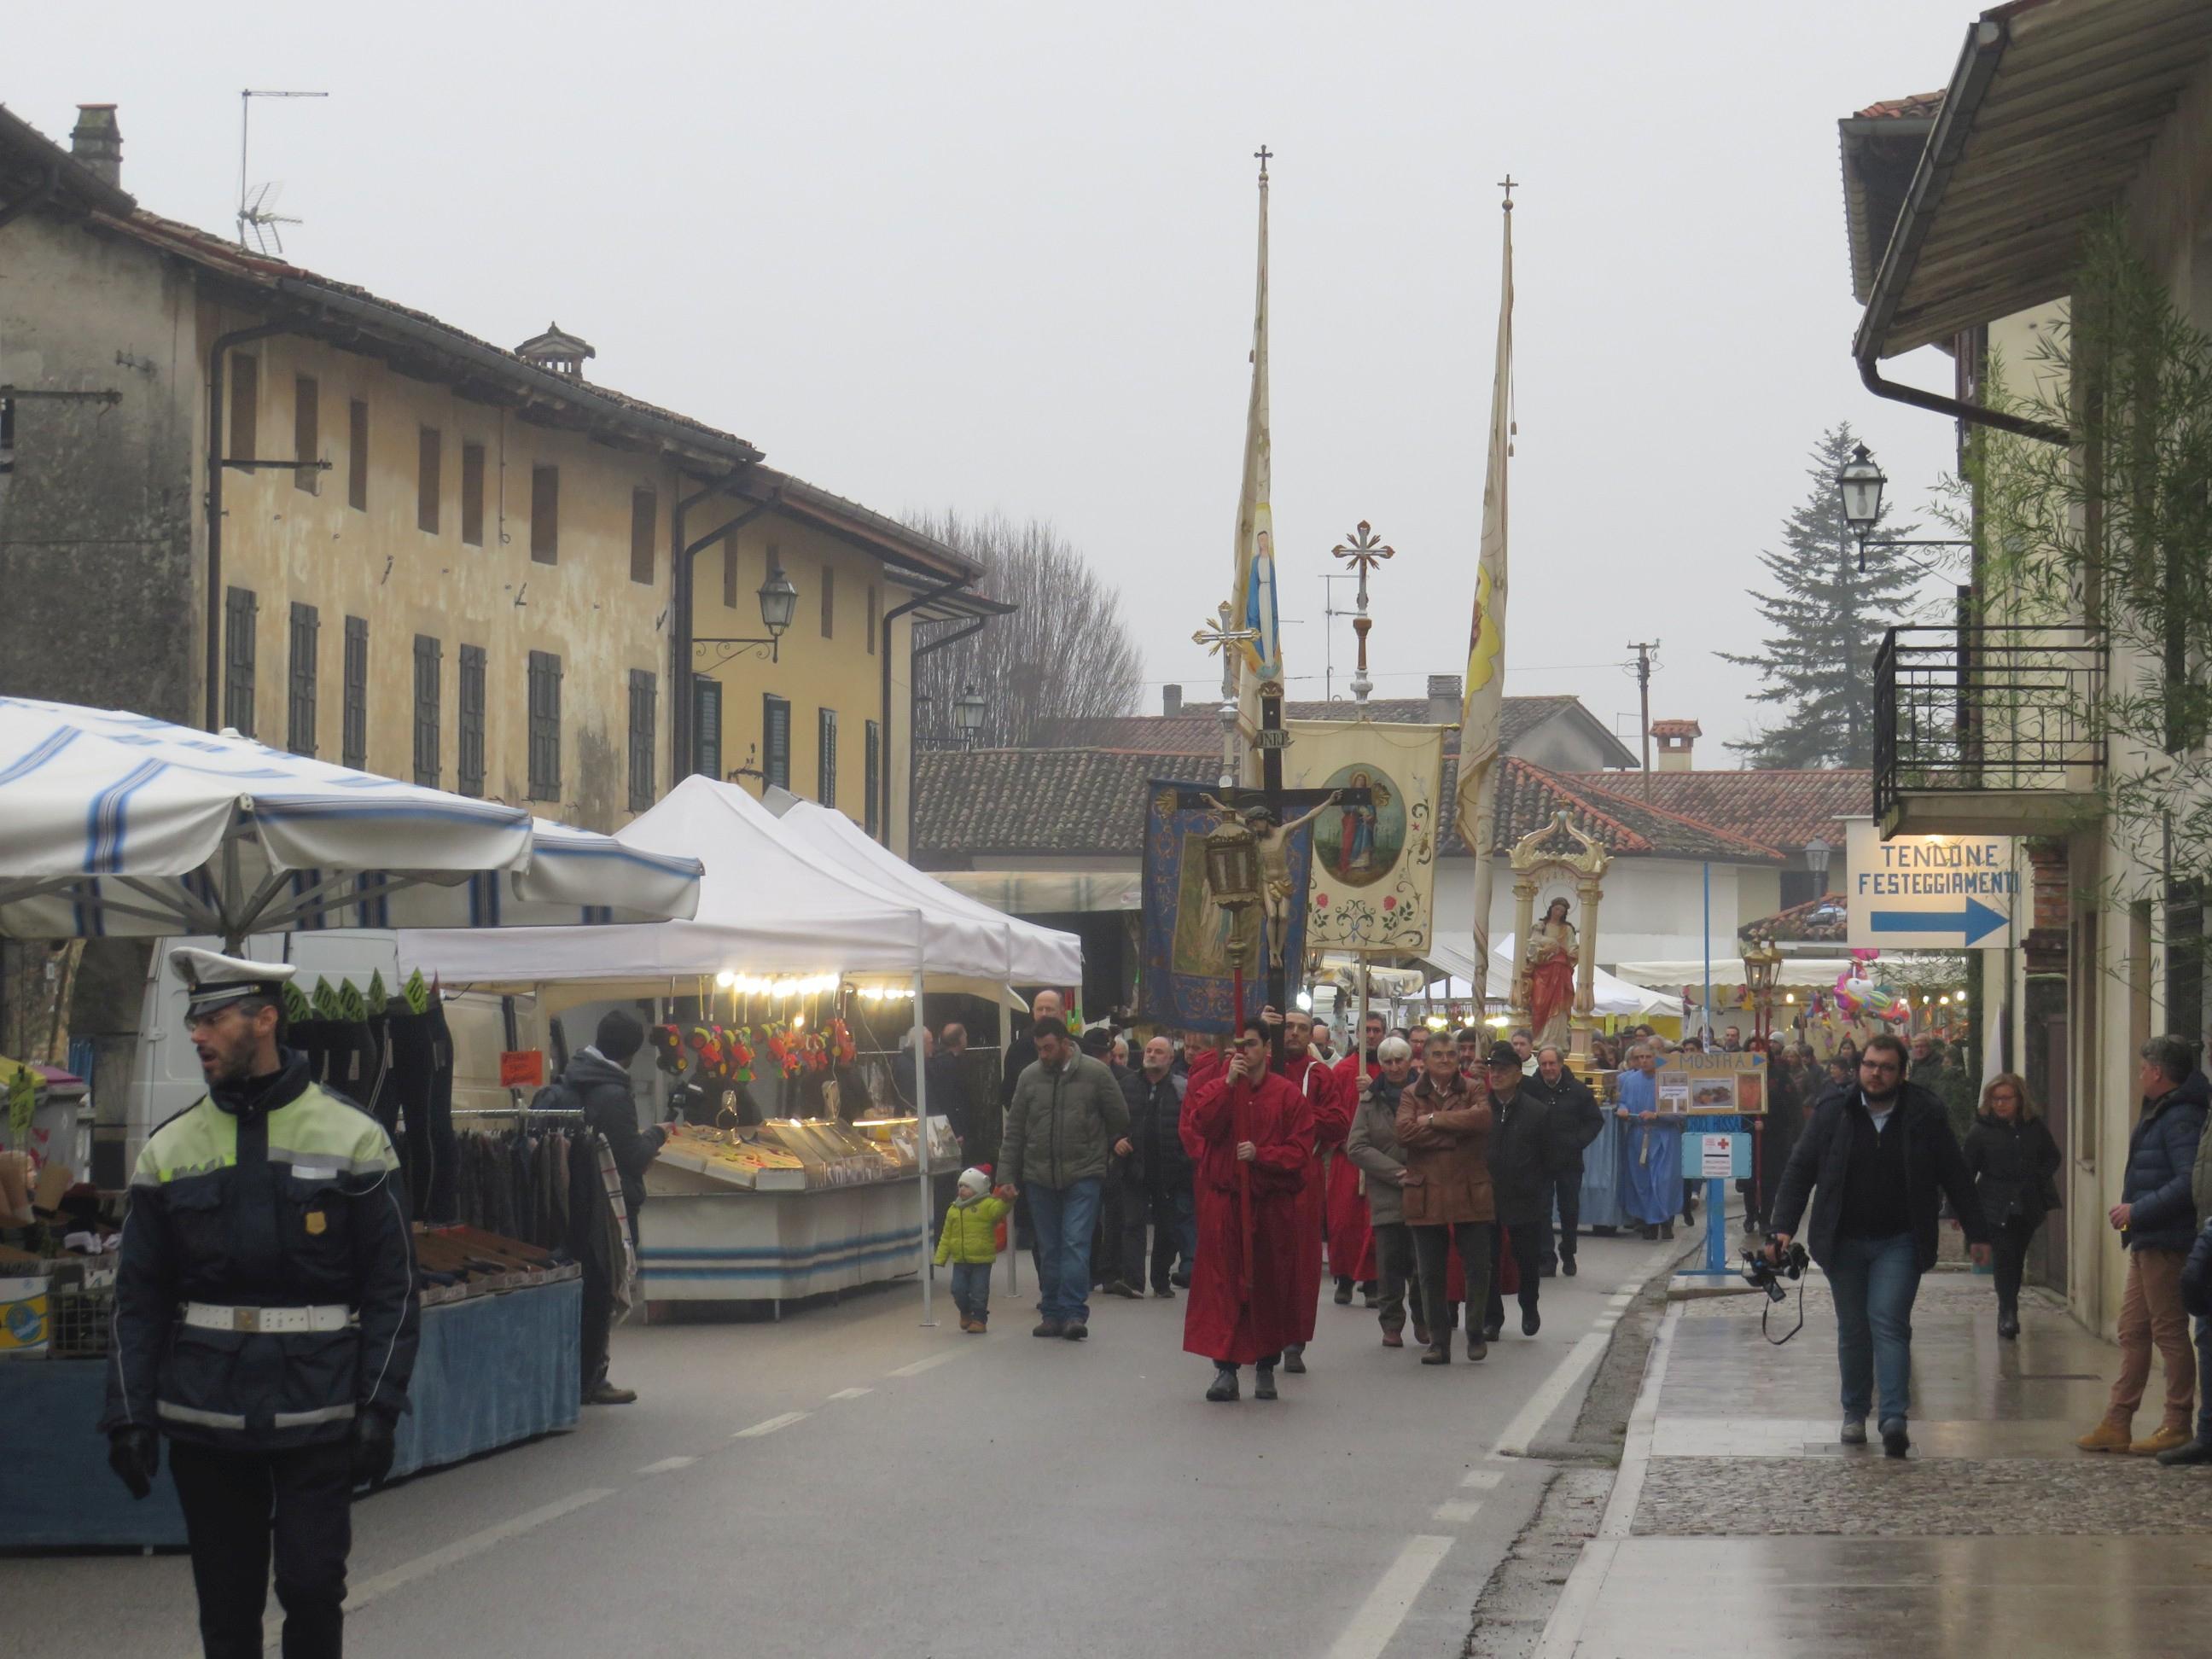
x: 120, y: 824
x: 795, y: 915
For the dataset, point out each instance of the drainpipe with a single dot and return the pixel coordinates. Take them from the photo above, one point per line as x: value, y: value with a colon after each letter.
x: 890, y: 616
x: 1972, y: 414
x: 682, y: 584
x: 216, y: 355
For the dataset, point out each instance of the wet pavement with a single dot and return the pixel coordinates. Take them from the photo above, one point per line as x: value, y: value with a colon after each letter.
x: 1738, y: 1523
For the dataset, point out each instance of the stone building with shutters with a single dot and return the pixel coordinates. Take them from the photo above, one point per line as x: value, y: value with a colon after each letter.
x: 240, y: 493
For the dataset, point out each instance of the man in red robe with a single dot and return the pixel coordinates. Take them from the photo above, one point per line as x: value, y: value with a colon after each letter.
x: 1250, y: 1134
x: 1351, y: 1240
x: 1331, y: 1103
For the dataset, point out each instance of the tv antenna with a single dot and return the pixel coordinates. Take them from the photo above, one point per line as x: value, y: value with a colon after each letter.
x: 257, y: 218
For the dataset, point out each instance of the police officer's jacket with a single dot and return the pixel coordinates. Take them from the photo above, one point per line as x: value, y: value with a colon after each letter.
x: 271, y: 1194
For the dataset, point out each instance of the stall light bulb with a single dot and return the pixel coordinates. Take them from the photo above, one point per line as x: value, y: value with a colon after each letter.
x: 725, y: 979
x: 1305, y: 1001
x: 1791, y: 997
x: 799, y: 1020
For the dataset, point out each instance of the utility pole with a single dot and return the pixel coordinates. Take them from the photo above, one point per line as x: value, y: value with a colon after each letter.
x: 1644, y: 650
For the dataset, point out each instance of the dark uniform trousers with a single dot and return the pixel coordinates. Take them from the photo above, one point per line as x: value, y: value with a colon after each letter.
x: 232, y: 1503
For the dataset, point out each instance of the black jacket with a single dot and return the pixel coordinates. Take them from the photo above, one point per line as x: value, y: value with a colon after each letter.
x: 1155, y: 1130
x: 2012, y: 1164
x: 1934, y: 1168
x: 2161, y: 1155
x: 609, y: 1104
x: 1576, y: 1118
x: 273, y: 1195
x: 1525, y: 1152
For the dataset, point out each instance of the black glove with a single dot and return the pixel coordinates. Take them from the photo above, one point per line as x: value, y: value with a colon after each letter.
x: 135, y: 1454
x: 372, y: 1447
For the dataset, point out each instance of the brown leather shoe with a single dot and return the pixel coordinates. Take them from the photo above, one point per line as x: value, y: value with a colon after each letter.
x: 607, y: 1394
x: 1392, y: 1339
x: 2165, y: 1440
x: 2110, y: 1436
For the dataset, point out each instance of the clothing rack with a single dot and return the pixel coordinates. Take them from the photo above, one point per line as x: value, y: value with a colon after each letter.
x: 520, y: 1111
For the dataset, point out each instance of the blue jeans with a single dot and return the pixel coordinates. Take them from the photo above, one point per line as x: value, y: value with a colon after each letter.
x: 1065, y: 1218
x: 1873, y: 1281
x: 2204, y: 1379
x: 971, y: 1288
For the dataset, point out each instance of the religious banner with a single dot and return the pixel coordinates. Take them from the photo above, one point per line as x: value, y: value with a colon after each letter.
x: 1374, y: 867
x: 1184, y: 981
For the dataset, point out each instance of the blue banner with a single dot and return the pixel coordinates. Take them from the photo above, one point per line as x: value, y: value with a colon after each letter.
x: 1184, y: 982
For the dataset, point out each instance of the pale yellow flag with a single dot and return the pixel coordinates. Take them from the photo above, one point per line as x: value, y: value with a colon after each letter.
x: 1481, y: 712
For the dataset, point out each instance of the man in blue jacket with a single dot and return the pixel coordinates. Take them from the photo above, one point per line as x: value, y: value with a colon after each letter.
x: 2157, y: 1219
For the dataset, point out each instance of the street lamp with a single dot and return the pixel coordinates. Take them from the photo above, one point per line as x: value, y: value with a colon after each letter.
x: 1860, y: 484
x: 1816, y: 860
x: 967, y: 714
x: 1762, y: 961
x: 778, y: 603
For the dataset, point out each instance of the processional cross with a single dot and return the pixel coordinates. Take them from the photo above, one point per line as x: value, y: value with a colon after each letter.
x: 1363, y: 550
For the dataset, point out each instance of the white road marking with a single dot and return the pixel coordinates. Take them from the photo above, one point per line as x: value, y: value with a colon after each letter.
x: 771, y: 1425
x: 461, y: 1549
x: 1528, y: 1422
x: 1482, y: 1480
x: 934, y: 1360
x: 668, y: 1465
x: 1392, y: 1599
x: 1458, y: 1512
x: 1563, y: 1631
x: 850, y: 1394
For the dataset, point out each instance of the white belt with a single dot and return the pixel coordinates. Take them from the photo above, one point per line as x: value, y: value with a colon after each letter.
x: 279, y: 1322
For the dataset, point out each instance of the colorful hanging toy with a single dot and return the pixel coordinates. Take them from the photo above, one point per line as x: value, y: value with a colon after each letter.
x: 841, y: 1037
x: 1857, y: 995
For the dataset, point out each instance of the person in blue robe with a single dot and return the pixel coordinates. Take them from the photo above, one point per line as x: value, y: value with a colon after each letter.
x: 1651, y: 1148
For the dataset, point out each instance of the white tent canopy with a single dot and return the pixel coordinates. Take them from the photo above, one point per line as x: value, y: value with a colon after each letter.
x: 1608, y: 994
x: 766, y: 907
x: 114, y: 822
x: 1034, y: 955
x: 1818, y: 972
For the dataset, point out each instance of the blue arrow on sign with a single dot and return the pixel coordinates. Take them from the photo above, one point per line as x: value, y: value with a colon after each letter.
x: 1973, y: 924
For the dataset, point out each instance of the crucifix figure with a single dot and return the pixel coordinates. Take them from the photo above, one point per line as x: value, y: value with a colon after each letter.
x: 1271, y: 838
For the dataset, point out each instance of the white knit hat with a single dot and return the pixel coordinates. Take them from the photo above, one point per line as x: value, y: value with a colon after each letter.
x: 976, y: 1179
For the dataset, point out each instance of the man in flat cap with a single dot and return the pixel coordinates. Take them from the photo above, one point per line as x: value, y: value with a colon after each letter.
x: 265, y: 1317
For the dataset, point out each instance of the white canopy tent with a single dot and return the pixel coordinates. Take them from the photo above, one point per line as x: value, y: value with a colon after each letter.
x: 112, y: 823
x: 1609, y: 994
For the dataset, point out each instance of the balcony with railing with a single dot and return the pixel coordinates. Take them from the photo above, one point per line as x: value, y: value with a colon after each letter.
x: 1987, y: 729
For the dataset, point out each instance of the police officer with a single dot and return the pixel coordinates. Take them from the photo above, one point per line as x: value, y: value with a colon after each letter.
x: 264, y: 1317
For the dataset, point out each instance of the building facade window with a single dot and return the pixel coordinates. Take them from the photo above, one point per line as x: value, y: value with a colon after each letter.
x: 825, y: 754
x: 430, y: 670
x: 240, y: 617
x: 776, y: 740
x: 706, y: 727
x: 306, y: 433
x: 544, y: 725
x: 245, y: 407
x: 644, y: 520
x: 469, y: 758
x: 643, y: 694
x: 546, y: 514
x: 828, y: 602
x: 357, y: 455
x: 353, y: 722
x: 429, y: 464
x: 472, y: 475
x: 299, y: 691
x: 871, y: 775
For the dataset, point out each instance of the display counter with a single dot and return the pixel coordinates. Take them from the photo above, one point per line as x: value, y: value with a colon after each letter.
x: 746, y: 1246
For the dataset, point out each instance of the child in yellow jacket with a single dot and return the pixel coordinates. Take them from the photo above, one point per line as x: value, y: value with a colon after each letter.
x: 970, y: 1241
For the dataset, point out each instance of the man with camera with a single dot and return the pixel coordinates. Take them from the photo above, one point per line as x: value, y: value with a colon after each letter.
x: 1876, y: 1160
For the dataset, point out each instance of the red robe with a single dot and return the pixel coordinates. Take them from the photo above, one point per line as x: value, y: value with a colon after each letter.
x: 1219, y: 1321
x: 1351, y: 1235
x: 1332, y: 1103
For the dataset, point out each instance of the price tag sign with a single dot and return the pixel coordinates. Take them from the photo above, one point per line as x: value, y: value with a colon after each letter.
x: 522, y: 1068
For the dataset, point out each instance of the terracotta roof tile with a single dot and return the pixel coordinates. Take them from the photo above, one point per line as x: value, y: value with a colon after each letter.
x: 1821, y: 921
x: 1197, y: 731
x: 1779, y: 810
x: 1916, y: 106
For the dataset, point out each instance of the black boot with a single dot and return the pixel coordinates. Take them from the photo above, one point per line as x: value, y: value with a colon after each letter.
x: 1294, y: 1360
x: 1263, y: 1383
x: 1225, y: 1384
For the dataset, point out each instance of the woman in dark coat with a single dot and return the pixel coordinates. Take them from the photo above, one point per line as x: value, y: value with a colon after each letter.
x: 2014, y: 1160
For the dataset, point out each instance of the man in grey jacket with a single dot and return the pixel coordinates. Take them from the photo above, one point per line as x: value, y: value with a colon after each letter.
x: 1373, y: 1148
x: 1066, y: 1118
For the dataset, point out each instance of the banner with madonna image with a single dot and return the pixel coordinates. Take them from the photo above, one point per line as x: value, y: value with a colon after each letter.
x: 1374, y: 867
x: 1184, y: 981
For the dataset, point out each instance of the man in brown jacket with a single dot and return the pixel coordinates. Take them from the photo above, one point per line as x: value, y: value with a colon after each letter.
x: 1444, y: 1126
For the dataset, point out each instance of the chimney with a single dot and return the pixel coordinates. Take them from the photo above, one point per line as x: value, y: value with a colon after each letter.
x: 1444, y: 699
x: 1171, y: 701
x: 556, y: 349
x: 1675, y: 738
x: 96, y: 142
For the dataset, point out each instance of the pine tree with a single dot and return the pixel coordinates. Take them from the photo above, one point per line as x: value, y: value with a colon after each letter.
x: 1827, y: 617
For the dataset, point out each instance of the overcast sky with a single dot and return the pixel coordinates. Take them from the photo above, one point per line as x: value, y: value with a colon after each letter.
x: 1001, y: 256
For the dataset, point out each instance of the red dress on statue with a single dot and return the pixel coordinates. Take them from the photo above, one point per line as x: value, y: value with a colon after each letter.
x: 1331, y: 1102
x: 1220, y: 1321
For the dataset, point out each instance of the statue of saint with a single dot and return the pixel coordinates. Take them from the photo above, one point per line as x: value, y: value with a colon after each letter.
x: 1271, y: 842
x: 1554, y: 952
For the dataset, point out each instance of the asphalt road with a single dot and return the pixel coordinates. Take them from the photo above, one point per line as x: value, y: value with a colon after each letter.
x: 848, y: 1482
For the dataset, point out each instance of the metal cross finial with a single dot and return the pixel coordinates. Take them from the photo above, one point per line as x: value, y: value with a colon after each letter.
x: 1506, y: 184
x: 1262, y: 155
x: 1363, y: 550
x: 1217, y: 637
